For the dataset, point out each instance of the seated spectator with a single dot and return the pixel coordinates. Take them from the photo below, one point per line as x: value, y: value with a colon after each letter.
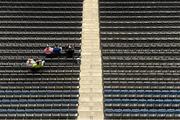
x: 66, y: 46
x: 38, y: 64
x: 48, y: 51
x: 69, y: 50
x: 30, y: 62
x: 57, y: 50
x: 35, y: 64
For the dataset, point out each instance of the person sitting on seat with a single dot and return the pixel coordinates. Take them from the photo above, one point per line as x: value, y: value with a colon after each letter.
x: 69, y: 50
x: 38, y: 64
x: 48, y: 51
x: 30, y: 62
x: 57, y: 50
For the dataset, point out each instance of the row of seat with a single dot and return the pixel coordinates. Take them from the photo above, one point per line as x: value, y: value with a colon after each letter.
x: 29, y: 53
x: 41, y: 1
x: 55, y: 79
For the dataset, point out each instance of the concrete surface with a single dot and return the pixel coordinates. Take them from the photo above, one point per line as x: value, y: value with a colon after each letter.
x: 91, y: 87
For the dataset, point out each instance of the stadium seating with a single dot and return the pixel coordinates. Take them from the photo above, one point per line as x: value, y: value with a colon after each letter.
x: 140, y: 50
x: 27, y: 26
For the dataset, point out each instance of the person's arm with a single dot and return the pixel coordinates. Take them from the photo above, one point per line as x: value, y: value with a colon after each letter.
x: 27, y: 62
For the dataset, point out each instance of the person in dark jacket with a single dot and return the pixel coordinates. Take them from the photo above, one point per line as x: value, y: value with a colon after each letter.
x: 69, y: 49
x: 57, y: 50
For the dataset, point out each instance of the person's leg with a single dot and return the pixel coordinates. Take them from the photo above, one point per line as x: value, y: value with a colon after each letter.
x: 43, y: 62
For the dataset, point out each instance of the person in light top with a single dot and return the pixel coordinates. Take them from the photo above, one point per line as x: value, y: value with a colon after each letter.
x: 48, y: 50
x: 30, y: 62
